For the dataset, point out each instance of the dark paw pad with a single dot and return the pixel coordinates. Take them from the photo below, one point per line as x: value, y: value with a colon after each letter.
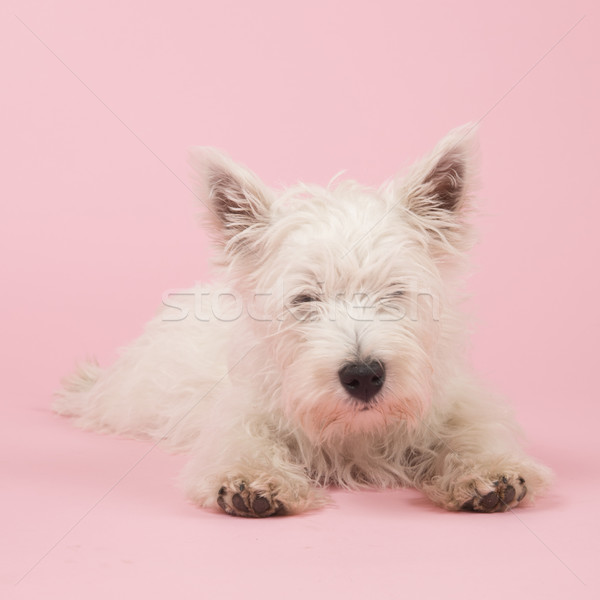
x: 507, y: 493
x: 241, y: 500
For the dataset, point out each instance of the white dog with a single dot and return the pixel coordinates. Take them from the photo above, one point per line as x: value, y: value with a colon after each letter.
x: 330, y: 350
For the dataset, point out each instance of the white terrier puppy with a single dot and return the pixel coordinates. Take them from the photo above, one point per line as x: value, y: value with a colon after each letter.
x: 330, y: 351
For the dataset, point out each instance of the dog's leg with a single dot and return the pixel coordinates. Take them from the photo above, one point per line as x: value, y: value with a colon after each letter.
x: 475, y: 461
x: 484, y: 482
x: 162, y: 385
x: 249, y: 474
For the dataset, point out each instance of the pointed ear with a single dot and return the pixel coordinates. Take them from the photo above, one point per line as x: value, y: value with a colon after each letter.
x: 436, y: 189
x: 237, y: 203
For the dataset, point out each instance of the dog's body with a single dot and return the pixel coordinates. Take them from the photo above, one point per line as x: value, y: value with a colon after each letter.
x: 330, y: 351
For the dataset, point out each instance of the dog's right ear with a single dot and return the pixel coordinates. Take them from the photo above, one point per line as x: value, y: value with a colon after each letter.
x: 237, y: 203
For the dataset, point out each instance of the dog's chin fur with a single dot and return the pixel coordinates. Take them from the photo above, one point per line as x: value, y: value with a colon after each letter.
x: 244, y: 374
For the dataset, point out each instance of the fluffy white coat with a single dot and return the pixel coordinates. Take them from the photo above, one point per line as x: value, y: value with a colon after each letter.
x: 245, y: 374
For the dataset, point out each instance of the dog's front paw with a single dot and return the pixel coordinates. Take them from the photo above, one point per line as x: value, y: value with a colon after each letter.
x: 501, y: 494
x: 241, y: 499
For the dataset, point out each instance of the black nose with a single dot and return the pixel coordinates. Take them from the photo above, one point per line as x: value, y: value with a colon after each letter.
x: 362, y: 380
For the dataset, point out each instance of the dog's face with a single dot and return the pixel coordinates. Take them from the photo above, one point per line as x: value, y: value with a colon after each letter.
x: 349, y: 290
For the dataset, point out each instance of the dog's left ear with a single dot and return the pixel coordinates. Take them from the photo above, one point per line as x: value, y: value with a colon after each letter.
x: 236, y: 202
x: 436, y: 190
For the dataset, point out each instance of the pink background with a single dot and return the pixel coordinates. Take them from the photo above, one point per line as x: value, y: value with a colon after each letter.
x: 97, y: 222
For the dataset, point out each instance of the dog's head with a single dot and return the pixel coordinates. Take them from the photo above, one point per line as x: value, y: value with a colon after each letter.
x: 350, y: 291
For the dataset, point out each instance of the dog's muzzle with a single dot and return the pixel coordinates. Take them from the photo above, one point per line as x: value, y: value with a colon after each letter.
x: 362, y: 380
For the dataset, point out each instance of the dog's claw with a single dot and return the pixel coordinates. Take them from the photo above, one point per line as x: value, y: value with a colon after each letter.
x: 509, y: 494
x: 489, y: 501
x: 239, y: 504
x: 501, y: 498
x: 242, y: 500
x: 260, y: 505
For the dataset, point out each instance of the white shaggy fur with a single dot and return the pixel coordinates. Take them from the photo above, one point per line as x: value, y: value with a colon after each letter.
x: 243, y: 374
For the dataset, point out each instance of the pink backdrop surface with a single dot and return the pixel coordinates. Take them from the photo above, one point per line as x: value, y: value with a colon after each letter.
x: 100, y: 102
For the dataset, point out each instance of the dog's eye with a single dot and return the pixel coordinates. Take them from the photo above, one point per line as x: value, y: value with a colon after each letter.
x: 397, y: 293
x: 304, y: 298
x: 393, y: 296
